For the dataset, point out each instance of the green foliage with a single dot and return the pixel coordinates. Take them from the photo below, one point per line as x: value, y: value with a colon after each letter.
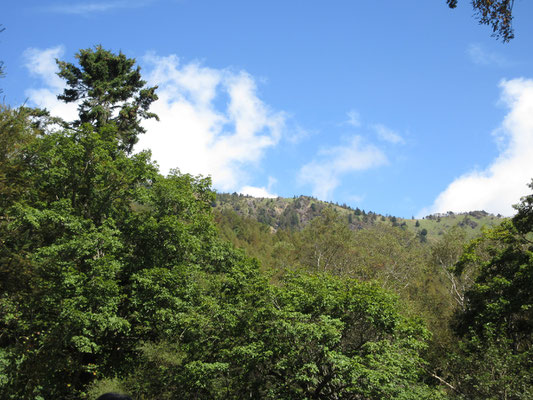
x: 496, y: 324
x: 110, y: 90
x: 424, y: 272
x: 389, y: 254
x: 312, y: 336
x: 523, y: 220
x: 326, y: 244
x: 254, y: 237
x: 498, y: 14
x: 114, y: 277
x: 345, y: 339
x: 98, y: 252
x: 98, y: 388
x: 63, y: 258
x: 445, y: 254
x: 16, y: 131
x: 490, y: 368
x: 423, y: 235
x: 296, y: 213
x: 502, y: 294
x: 67, y: 197
x: 280, y: 213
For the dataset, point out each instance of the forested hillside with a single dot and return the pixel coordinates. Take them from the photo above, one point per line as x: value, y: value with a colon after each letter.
x: 297, y: 212
x: 114, y: 277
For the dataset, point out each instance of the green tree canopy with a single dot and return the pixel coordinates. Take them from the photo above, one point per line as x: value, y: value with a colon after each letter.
x: 112, y: 274
x: 109, y: 88
x: 496, y: 324
x: 312, y: 336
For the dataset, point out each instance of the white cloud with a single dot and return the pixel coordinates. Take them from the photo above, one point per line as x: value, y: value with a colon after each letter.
x: 264, y: 192
x: 212, y: 121
x: 87, y: 8
x: 257, y: 192
x: 384, y: 133
x: 42, y: 64
x: 324, y: 174
x: 387, y: 135
x: 499, y: 186
x: 480, y: 56
x: 354, y: 119
x: 297, y: 134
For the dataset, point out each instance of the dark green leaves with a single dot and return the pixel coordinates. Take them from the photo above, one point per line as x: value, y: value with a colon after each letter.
x: 109, y: 89
x: 496, y: 13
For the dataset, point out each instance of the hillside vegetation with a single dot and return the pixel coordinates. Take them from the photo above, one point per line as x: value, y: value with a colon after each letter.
x: 116, y: 278
x: 295, y: 213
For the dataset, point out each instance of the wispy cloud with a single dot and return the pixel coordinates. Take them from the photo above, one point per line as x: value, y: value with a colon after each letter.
x: 480, y: 56
x: 354, y: 119
x: 42, y: 64
x: 325, y: 172
x: 297, y: 134
x: 499, y: 186
x: 383, y: 132
x: 265, y: 192
x: 387, y: 134
x: 94, y: 7
x: 212, y: 121
x: 254, y: 191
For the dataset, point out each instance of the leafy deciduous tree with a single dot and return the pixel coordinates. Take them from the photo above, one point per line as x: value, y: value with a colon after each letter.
x: 497, y: 323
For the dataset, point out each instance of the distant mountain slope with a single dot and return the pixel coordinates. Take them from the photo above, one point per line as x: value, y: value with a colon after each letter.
x: 295, y: 213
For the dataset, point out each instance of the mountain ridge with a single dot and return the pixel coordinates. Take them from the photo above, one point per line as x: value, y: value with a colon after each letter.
x: 296, y: 212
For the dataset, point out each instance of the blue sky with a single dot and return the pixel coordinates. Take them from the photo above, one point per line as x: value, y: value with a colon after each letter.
x: 402, y: 108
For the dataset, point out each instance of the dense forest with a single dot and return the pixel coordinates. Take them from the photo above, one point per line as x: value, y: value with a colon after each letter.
x: 114, y: 277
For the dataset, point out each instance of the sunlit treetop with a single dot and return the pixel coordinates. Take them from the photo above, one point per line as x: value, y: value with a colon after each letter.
x: 110, y: 90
